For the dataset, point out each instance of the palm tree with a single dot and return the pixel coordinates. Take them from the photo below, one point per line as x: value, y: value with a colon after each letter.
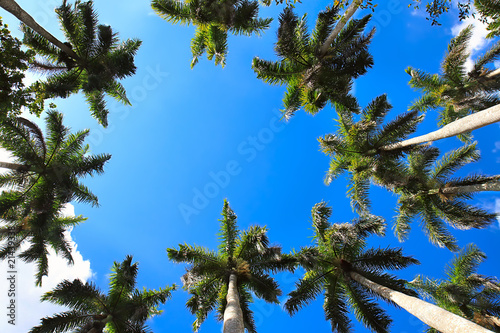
x: 340, y: 266
x: 225, y: 279
x: 464, y: 292
x: 356, y: 148
x: 490, y: 9
x: 91, y: 60
x: 428, y: 191
x: 213, y: 20
x: 458, y: 92
x: 314, y: 77
x: 44, y: 176
x: 124, y: 309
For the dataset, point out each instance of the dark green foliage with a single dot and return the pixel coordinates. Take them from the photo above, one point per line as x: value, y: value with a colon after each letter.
x: 421, y: 193
x: 338, y: 250
x: 247, y: 254
x: 124, y: 309
x: 13, y: 64
x: 464, y: 292
x: 314, y: 78
x: 101, y: 60
x: 45, y: 177
x: 356, y: 148
x: 458, y: 92
x: 213, y: 19
x: 490, y: 10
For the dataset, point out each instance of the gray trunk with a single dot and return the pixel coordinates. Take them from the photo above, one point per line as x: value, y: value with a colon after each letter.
x: 12, y: 7
x: 434, y: 316
x: 233, y: 317
x: 459, y: 126
x: 490, y: 186
x: 14, y: 166
x: 340, y: 25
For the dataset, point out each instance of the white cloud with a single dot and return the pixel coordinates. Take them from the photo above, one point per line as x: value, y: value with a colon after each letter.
x: 478, y: 40
x: 29, y: 310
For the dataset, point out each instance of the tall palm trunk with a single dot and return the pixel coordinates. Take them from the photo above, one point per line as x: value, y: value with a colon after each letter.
x: 434, y: 316
x: 14, y: 166
x: 340, y: 25
x: 12, y: 7
x: 489, y: 186
x: 459, y: 126
x: 233, y: 316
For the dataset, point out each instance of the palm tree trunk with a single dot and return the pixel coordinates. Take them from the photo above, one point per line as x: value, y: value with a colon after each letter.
x: 490, y: 186
x: 12, y: 7
x: 459, y: 126
x: 434, y: 316
x: 233, y: 316
x: 14, y: 166
x: 340, y: 25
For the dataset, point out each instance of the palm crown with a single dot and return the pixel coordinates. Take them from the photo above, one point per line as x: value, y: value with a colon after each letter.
x: 95, y: 65
x: 246, y: 255
x: 458, y: 91
x: 357, y: 148
x: 44, y: 176
x: 123, y: 309
x: 423, y: 192
x: 340, y: 249
x: 312, y: 77
x: 213, y: 20
x: 464, y: 292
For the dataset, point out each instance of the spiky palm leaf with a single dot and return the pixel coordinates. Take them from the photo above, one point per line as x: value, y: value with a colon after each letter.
x: 356, y: 148
x: 123, y: 309
x: 213, y: 19
x: 96, y: 63
x: 43, y: 178
x: 490, y: 9
x: 338, y: 250
x: 458, y: 91
x: 313, y: 78
x: 424, y: 194
x: 246, y: 254
x: 463, y: 291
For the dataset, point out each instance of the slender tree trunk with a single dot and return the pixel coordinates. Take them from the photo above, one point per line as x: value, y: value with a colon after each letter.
x: 434, y: 316
x: 14, y: 166
x: 490, y: 186
x: 233, y: 316
x: 12, y: 7
x: 459, y: 126
x: 493, y: 74
x: 353, y: 7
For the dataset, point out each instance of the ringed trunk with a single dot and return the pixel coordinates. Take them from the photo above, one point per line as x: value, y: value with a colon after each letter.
x: 353, y: 7
x: 432, y: 315
x: 233, y: 316
x: 14, y: 166
x: 490, y: 186
x: 12, y: 7
x: 459, y: 126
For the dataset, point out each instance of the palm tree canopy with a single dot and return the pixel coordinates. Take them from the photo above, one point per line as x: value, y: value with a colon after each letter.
x: 123, y: 309
x: 490, y: 9
x: 101, y: 60
x: 421, y: 193
x: 44, y: 177
x: 464, y: 292
x: 339, y: 249
x: 213, y: 20
x: 356, y: 148
x: 313, y: 78
x: 458, y: 91
x: 247, y: 254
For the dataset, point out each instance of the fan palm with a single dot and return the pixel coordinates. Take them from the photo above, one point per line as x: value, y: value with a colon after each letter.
x: 429, y: 191
x: 340, y: 266
x: 226, y: 278
x: 44, y: 176
x: 464, y: 292
x: 356, y: 148
x: 91, y: 60
x: 314, y: 77
x: 124, y: 309
x: 459, y: 92
x: 213, y: 20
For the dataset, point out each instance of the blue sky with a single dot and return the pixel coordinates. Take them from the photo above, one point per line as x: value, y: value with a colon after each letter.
x: 195, y: 137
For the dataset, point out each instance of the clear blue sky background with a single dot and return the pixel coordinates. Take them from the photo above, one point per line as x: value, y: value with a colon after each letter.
x: 187, y: 127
